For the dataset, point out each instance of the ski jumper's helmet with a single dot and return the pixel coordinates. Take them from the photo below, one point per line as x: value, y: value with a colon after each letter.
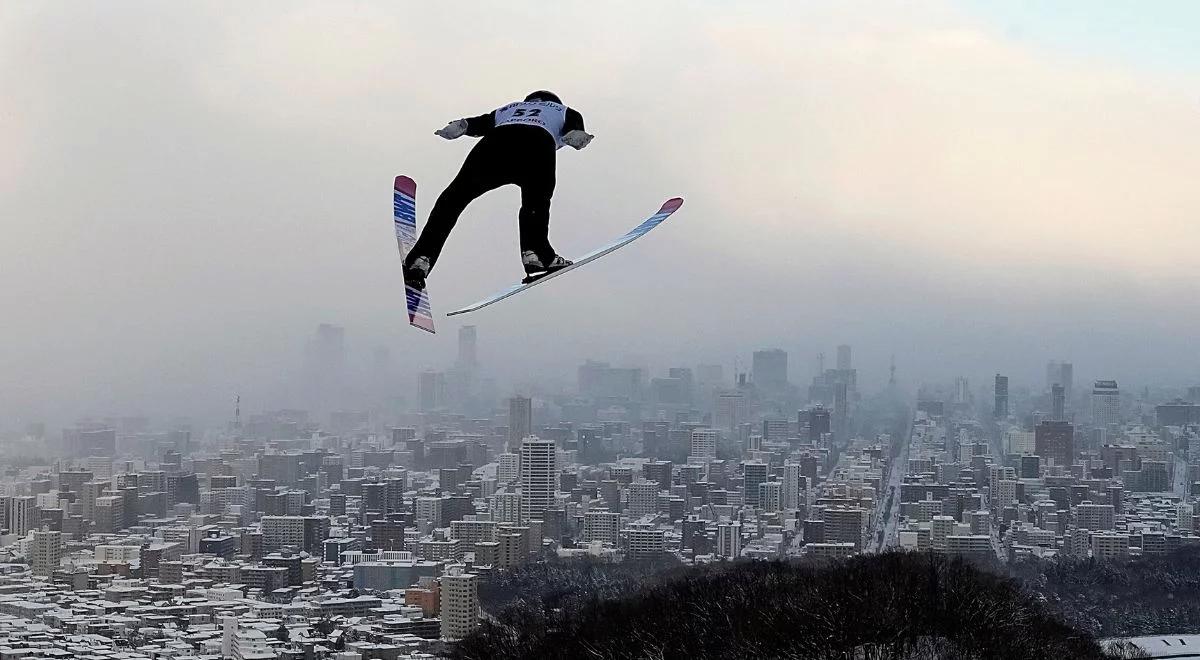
x: 543, y: 95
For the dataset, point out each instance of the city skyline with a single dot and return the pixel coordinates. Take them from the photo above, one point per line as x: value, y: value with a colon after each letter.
x: 992, y: 213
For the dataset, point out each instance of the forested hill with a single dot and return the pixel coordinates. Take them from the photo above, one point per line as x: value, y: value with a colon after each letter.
x: 888, y: 606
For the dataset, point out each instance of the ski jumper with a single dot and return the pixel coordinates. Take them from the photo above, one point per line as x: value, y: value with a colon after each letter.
x: 518, y: 147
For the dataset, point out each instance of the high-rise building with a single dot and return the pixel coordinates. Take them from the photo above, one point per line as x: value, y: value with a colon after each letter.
x: 520, y: 420
x: 1106, y: 404
x: 1061, y: 373
x: 843, y: 358
x: 22, y: 514
x: 539, y: 476
x: 704, y: 444
x: 602, y: 526
x: 776, y: 430
x: 1055, y: 441
x: 1058, y: 403
x: 431, y: 390
x: 1019, y: 442
x: 846, y: 525
x: 467, y: 356
x: 645, y: 543
x: 729, y: 539
x: 841, y: 412
x: 962, y: 390
x: 508, y: 468
x: 100, y: 466
x: 794, y: 485
x: 659, y: 472
x: 819, y: 423
x: 770, y: 369
x: 730, y: 410
x: 460, y: 603
x: 1000, y: 410
x: 753, y: 474
x: 940, y: 528
x: 1110, y: 545
x: 1095, y: 516
x: 110, y: 515
x: 643, y: 498
x: 506, y: 508
x: 770, y: 496
x: 46, y: 551
x: 1177, y: 412
x: 600, y: 379
x: 280, y: 531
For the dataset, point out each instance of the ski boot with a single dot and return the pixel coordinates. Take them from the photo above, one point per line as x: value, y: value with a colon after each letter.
x: 416, y: 272
x: 536, y: 269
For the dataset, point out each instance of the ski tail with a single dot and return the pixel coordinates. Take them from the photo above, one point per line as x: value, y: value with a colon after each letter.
x: 404, y: 214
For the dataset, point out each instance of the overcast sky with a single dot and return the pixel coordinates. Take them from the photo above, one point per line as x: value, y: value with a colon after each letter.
x: 188, y: 189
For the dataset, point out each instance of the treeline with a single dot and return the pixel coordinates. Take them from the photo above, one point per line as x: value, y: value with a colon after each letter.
x: 1141, y: 596
x: 880, y: 607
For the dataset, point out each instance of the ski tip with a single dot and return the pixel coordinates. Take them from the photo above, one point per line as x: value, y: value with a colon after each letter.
x: 669, y: 206
x: 406, y: 186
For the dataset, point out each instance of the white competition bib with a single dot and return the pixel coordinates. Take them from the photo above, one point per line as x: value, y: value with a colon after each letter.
x: 550, y: 116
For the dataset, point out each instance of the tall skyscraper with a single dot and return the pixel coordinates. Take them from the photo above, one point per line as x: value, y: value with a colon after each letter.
x: 1061, y: 373
x: 467, y: 356
x: 793, y: 485
x: 1106, y: 404
x: 539, y: 476
x: 1000, y: 409
x: 520, y: 420
x: 770, y: 369
x: 962, y: 390
x: 431, y: 390
x: 1058, y: 403
x: 841, y: 412
x: 843, y: 358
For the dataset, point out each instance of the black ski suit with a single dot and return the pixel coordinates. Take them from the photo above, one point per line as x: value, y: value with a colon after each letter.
x: 519, y: 154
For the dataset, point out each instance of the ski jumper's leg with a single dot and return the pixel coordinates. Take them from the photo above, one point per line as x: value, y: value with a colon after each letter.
x: 536, y: 180
x: 479, y: 174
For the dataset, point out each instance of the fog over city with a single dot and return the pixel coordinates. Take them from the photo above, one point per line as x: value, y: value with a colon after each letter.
x: 187, y: 190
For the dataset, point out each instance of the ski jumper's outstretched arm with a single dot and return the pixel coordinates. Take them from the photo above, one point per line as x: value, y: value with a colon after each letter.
x: 472, y: 126
x: 573, y: 134
x: 479, y: 126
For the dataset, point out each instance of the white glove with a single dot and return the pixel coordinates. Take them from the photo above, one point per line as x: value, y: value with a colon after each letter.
x: 454, y: 129
x: 577, y: 139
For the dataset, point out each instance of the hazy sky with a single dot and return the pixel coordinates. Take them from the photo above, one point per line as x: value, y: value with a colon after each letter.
x: 188, y: 189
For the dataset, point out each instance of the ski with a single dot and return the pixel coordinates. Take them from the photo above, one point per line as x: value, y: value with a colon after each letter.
x: 404, y: 213
x: 664, y: 212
